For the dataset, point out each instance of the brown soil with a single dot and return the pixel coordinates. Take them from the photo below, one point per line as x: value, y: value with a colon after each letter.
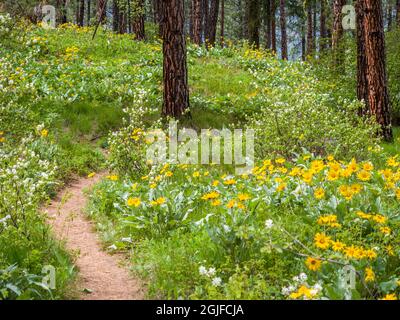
x: 101, y: 276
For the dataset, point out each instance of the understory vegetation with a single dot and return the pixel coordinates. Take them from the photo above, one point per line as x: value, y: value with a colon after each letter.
x: 324, y: 193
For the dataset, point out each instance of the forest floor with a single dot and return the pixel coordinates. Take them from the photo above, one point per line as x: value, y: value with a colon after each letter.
x: 101, y: 276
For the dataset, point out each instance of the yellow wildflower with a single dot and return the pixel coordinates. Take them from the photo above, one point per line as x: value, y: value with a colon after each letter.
x: 313, y: 264
x: 322, y: 241
x: 133, y: 202
x: 231, y: 204
x: 243, y: 196
x: 319, y: 193
x: 369, y: 275
x: 391, y: 296
x: 364, y: 175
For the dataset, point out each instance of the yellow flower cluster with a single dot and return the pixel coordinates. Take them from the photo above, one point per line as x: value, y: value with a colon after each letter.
x: 324, y: 242
x: 303, y: 293
x: 329, y: 221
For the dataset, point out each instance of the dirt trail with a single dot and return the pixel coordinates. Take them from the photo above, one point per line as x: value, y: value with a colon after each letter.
x: 103, y: 276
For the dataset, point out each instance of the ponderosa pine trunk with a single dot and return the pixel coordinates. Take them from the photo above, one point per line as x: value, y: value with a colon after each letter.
x: 81, y: 12
x: 89, y: 8
x: 212, y: 22
x: 337, y: 32
x: 362, y: 84
x: 284, y: 48
x: 138, y: 27
x: 378, y: 97
x: 122, y: 19
x: 115, y: 13
x: 205, y: 17
x: 267, y: 22
x: 253, y: 22
x: 273, y: 26
x: 398, y: 13
x: 175, y: 77
x: 196, y: 21
x: 222, y: 37
x: 315, y: 26
x: 322, y: 22
x: 303, y: 42
x: 101, y: 10
x: 310, y: 38
x: 77, y: 7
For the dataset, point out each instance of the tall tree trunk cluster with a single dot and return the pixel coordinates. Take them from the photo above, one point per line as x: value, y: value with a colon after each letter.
x: 269, y: 24
x: 203, y: 21
x: 371, y: 64
x: 129, y: 17
x: 101, y: 10
x: 80, y: 12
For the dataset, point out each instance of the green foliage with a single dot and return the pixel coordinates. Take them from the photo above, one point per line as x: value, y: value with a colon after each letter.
x: 393, y: 70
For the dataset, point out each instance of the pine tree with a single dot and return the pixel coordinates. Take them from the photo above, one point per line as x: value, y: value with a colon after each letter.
x: 253, y: 22
x: 284, y: 48
x: 310, y: 34
x: 273, y: 26
x: 175, y: 77
x: 196, y: 6
x: 337, y: 32
x: 138, y: 27
x: 362, y: 85
x: 378, y: 97
x: 322, y: 22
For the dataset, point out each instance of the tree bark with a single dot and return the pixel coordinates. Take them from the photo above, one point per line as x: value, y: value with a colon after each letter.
x: 362, y: 84
x: 176, y: 91
x: 253, y: 22
x: 115, y: 16
x: 101, y: 14
x: 378, y: 97
x: 284, y: 48
x: 267, y: 22
x: 222, y: 37
x: 322, y: 21
x: 196, y: 21
x: 273, y: 26
x: 89, y: 8
x: 315, y: 25
x: 212, y: 22
x: 398, y: 13
x: 303, y: 42
x: 337, y: 32
x: 81, y: 12
x: 191, y: 19
x: 205, y: 18
x: 77, y: 8
x: 62, y: 11
x: 138, y: 27
x: 122, y: 22
x: 310, y: 38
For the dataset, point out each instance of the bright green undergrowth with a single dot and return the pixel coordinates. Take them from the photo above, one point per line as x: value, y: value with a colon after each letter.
x: 65, y: 97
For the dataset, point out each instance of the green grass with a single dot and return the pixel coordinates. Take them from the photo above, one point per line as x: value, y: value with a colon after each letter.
x: 393, y: 148
x: 212, y: 77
